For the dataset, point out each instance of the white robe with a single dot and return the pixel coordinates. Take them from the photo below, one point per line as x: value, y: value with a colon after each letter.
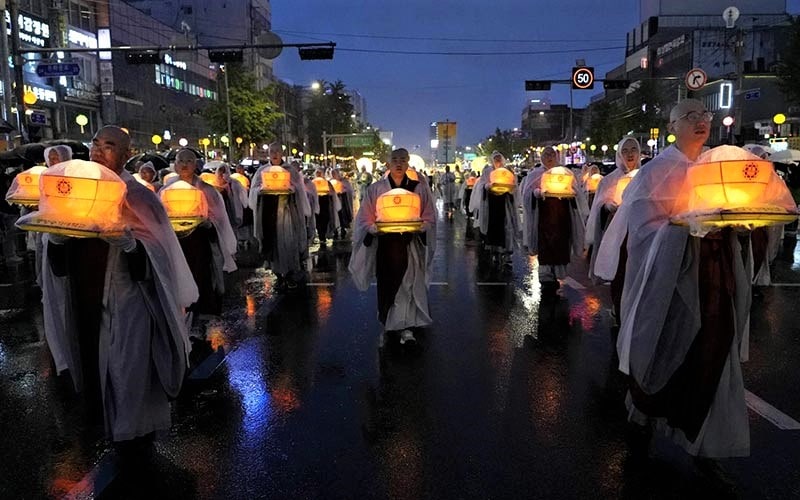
x: 225, y: 249
x: 661, y: 308
x: 594, y: 229
x: 410, y: 307
x: 144, y: 342
x: 292, y: 242
x: 479, y: 205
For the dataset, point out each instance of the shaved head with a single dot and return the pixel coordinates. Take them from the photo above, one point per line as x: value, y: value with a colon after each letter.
x: 111, y: 148
x: 684, y: 107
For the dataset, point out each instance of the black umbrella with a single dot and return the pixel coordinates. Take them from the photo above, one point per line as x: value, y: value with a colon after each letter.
x: 172, y: 153
x: 158, y: 161
x: 24, y: 156
x: 6, y: 128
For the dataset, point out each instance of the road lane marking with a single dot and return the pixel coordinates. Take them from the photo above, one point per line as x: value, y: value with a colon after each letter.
x: 769, y: 412
x: 570, y: 282
x: 492, y: 283
x: 787, y: 285
x: 320, y: 284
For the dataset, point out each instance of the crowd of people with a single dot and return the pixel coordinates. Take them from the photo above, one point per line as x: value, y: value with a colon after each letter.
x: 681, y: 299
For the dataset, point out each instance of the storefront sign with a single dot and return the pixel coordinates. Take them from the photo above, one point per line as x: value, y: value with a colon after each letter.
x: 81, y: 38
x: 42, y: 94
x: 32, y: 30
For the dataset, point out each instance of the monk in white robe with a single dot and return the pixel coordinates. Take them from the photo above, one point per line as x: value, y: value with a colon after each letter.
x: 280, y: 224
x: 496, y: 215
x: 400, y: 262
x: 114, y: 307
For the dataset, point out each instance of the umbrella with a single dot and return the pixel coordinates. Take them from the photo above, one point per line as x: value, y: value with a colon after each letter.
x: 172, y: 153
x: 786, y: 155
x: 6, y: 128
x: 213, y: 165
x: 158, y: 161
x: 24, y: 156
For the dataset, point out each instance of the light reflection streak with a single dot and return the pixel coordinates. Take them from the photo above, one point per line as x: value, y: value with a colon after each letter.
x: 246, y: 377
x: 586, y: 312
x: 324, y: 303
x: 796, y: 257
x: 216, y: 336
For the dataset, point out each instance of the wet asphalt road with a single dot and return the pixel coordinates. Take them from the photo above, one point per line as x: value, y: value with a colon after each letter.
x: 507, y: 395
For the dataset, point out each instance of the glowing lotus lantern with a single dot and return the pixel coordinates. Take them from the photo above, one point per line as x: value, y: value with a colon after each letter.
x: 398, y: 211
x: 323, y: 188
x: 557, y: 183
x: 276, y: 180
x: 337, y: 186
x: 241, y: 179
x: 211, y: 179
x: 731, y: 187
x: 503, y: 181
x: 24, y: 188
x: 593, y: 182
x: 144, y: 182
x: 186, y: 206
x: 471, y: 182
x: 412, y: 174
x: 622, y: 185
x: 78, y: 198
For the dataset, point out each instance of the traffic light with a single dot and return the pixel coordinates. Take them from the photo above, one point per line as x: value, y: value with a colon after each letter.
x: 314, y: 53
x: 533, y: 85
x: 147, y: 57
x: 223, y: 56
x: 616, y: 84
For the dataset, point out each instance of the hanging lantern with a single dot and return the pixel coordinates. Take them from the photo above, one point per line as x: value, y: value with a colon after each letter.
x: 185, y: 205
x: 471, y: 182
x: 78, y: 198
x: 144, y: 182
x: 337, y: 186
x: 557, y: 183
x: 212, y: 179
x: 323, y: 188
x: 241, y: 179
x: 593, y: 182
x: 276, y: 180
x: 24, y: 188
x: 503, y: 181
x: 622, y: 185
x: 398, y: 211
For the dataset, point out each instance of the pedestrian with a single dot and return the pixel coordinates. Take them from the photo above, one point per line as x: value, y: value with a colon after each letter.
x: 326, y: 218
x: 685, y: 304
x: 280, y: 224
x: 114, y: 308
x: 364, y: 180
x: 496, y: 213
x: 233, y: 194
x: 447, y: 181
x: 553, y: 227
x: 459, y: 190
x: 210, y: 248
x: 628, y: 159
x: 399, y: 262
x: 313, y: 203
x: 345, y: 201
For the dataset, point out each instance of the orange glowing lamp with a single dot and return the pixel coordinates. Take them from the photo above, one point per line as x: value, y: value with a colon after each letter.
x: 323, y: 189
x: 337, y: 186
x: 24, y: 188
x: 78, y: 198
x: 731, y: 184
x: 412, y: 174
x: 471, y: 182
x: 398, y: 211
x: 186, y: 206
x: 622, y: 185
x: 503, y: 181
x: 241, y: 179
x: 593, y: 182
x: 211, y: 179
x: 276, y: 180
x: 557, y: 183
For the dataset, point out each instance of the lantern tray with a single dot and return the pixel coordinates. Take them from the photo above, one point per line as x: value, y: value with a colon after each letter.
x: 751, y: 217
x: 184, y: 226
x: 411, y: 226
x: 560, y: 196
x: 24, y: 202
x: 47, y: 226
x: 274, y: 192
x: 502, y: 188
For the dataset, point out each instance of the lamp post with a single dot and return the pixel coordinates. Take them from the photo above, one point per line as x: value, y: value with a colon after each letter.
x: 228, y: 109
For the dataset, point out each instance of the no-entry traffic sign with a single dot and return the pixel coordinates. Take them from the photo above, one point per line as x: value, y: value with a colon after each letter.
x: 696, y: 78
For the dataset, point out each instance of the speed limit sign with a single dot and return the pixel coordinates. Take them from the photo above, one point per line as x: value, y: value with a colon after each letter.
x: 582, y: 77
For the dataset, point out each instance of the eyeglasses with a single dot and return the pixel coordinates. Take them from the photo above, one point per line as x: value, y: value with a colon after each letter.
x: 696, y: 116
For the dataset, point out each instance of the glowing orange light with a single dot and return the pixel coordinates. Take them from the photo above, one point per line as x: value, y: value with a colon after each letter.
x: 593, y: 182
x: 211, y: 179
x: 412, y: 174
x: 275, y: 180
x: 241, y: 179
x: 322, y: 186
x: 471, y: 182
x: 729, y: 184
x: 398, y: 211
x: 24, y: 188
x: 337, y: 186
x: 622, y: 184
x: 557, y: 181
x: 503, y: 180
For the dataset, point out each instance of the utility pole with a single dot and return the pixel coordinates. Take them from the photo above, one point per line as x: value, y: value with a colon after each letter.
x: 325, y: 148
x: 6, y: 71
x: 19, y: 79
x: 228, y: 108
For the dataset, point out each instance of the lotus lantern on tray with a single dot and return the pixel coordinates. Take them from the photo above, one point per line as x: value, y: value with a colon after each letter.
x: 398, y: 211
x: 276, y: 180
x: 593, y: 182
x: 471, y: 182
x: 323, y: 188
x: 78, y: 198
x: 211, y: 179
x: 503, y: 181
x: 186, y: 206
x: 337, y: 186
x: 557, y: 183
x: 622, y: 185
x: 729, y: 186
x: 24, y: 189
x: 241, y: 179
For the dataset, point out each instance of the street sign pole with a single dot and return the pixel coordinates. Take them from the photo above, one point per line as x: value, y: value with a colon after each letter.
x: 19, y: 79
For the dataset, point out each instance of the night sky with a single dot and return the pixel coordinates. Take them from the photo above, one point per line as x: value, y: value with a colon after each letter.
x: 405, y: 92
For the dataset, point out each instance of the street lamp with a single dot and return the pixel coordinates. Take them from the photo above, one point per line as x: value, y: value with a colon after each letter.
x: 728, y: 121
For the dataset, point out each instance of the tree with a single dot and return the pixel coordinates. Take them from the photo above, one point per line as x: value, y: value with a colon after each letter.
x: 789, y: 65
x: 607, y: 123
x: 330, y: 111
x: 253, y: 112
x: 507, y: 142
